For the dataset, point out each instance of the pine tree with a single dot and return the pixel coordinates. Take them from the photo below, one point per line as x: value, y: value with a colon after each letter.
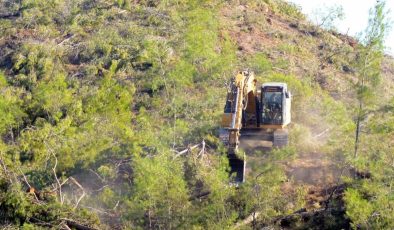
x: 368, y: 64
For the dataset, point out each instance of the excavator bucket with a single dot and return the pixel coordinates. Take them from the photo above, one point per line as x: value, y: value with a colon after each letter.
x: 236, y: 162
x: 237, y: 168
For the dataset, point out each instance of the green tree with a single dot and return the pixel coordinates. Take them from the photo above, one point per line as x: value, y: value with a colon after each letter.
x: 11, y: 113
x: 369, y: 201
x: 327, y: 17
x: 160, y: 197
x: 368, y: 64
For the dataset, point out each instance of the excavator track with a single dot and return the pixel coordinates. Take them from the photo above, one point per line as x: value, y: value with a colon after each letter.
x: 254, y: 140
x: 280, y: 138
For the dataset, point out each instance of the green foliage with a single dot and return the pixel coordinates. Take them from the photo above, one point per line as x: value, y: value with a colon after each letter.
x: 215, y: 210
x: 376, y: 213
x: 262, y: 194
x: 259, y: 63
x: 52, y: 98
x: 117, y: 87
x: 327, y: 17
x: 289, y: 49
x: 285, y: 8
x: 19, y: 207
x: 370, y: 54
x: 358, y: 208
x: 369, y: 202
x: 159, y: 197
x: 10, y: 112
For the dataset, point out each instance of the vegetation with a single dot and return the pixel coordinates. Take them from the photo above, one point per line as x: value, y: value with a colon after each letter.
x: 109, y: 112
x: 326, y: 17
x: 370, y: 202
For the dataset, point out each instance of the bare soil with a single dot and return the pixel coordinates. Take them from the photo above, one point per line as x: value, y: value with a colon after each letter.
x: 315, y: 169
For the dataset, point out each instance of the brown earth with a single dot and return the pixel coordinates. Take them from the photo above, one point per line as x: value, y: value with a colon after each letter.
x: 314, y: 169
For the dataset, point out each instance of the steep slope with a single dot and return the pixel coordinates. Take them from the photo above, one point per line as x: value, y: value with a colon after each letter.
x: 322, y: 60
x: 104, y: 104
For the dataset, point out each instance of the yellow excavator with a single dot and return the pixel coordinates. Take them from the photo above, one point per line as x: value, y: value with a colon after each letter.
x: 254, y: 119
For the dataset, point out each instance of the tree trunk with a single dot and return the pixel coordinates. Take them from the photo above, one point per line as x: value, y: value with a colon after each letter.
x: 358, y: 128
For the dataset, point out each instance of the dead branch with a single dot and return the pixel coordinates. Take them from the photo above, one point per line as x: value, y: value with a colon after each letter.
x: 98, y: 210
x: 40, y: 222
x: 322, y: 133
x: 340, y: 187
x: 121, y: 162
x: 4, y: 167
x: 27, y: 183
x: 59, y: 185
x: 116, y: 205
x: 66, y: 40
x: 202, y: 151
x: 75, y: 225
x: 247, y: 220
x: 186, y: 150
x: 95, y: 173
x: 101, y: 188
x: 303, y: 213
x: 83, y: 191
x: 13, y: 15
x: 199, y: 196
x: 337, y: 188
x: 65, y: 226
x: 24, y: 178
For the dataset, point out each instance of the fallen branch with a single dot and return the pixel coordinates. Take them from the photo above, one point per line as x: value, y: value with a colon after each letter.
x: 39, y: 222
x: 30, y: 187
x: 202, y: 151
x: 186, y: 150
x: 66, y: 40
x: 83, y: 191
x: 337, y: 188
x: 303, y: 213
x: 95, y: 173
x: 75, y: 225
x: 97, y: 190
x: 116, y: 205
x: 65, y: 226
x: 200, y: 195
x: 247, y: 220
x: 98, y: 210
x: 59, y: 185
x: 6, y: 172
x: 322, y: 133
x: 280, y: 69
x: 11, y: 15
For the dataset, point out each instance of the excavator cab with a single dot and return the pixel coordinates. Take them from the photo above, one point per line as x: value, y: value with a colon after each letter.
x: 275, y: 104
x: 275, y: 112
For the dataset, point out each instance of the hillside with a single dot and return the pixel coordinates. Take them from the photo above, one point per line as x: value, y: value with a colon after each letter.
x: 110, y: 110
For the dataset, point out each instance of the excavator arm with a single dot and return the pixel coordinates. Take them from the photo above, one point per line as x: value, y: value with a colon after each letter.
x: 237, y: 99
x: 240, y: 88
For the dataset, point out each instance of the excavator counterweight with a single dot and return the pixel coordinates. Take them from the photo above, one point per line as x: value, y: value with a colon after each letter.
x: 254, y: 119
